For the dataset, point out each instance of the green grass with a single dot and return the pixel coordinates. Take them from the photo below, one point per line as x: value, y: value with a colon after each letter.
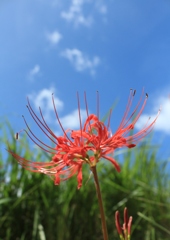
x: 32, y: 207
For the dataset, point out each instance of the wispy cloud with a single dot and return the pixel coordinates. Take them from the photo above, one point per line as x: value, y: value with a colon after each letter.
x: 163, y: 122
x: 75, y: 13
x: 81, y: 61
x: 71, y: 121
x: 34, y: 72
x: 54, y: 37
x: 43, y: 99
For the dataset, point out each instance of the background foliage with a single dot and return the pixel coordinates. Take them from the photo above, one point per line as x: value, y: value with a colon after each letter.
x: 31, y: 207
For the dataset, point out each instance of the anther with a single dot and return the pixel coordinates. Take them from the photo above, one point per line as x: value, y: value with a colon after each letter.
x: 134, y: 92
x: 16, y: 136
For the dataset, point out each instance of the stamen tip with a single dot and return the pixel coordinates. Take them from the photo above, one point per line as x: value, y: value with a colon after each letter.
x: 16, y: 136
x: 134, y: 92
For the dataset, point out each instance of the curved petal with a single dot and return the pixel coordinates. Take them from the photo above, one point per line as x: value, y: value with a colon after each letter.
x: 113, y: 161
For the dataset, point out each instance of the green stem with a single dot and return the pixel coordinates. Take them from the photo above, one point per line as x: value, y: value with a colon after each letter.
x: 99, y: 196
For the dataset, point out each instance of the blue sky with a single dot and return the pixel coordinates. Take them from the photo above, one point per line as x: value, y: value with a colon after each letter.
x: 85, y: 45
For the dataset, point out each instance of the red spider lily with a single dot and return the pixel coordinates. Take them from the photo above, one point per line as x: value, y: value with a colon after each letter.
x: 92, y: 142
x: 101, y: 141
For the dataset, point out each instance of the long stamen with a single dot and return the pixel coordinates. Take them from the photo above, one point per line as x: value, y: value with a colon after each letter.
x: 145, y: 131
x: 78, y: 100
x: 49, y: 130
x: 85, y: 99
x: 127, y: 107
x: 24, y: 162
x: 97, y: 104
x: 39, y: 123
x: 35, y: 136
x: 141, y: 110
x: 136, y: 108
x: 125, y: 121
x: 139, y: 113
x: 108, y: 124
x: 134, y: 111
x: 59, y: 119
x: 39, y: 144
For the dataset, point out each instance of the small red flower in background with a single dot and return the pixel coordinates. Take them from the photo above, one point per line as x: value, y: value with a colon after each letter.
x: 92, y: 142
x: 124, y: 231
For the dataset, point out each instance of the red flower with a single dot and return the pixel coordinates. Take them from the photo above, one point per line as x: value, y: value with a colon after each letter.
x: 92, y: 142
x: 99, y: 139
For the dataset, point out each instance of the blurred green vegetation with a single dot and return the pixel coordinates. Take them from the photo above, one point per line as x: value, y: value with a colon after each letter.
x: 32, y: 207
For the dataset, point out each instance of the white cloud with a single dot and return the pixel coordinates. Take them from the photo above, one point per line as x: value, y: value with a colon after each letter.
x: 80, y: 61
x: 34, y: 72
x: 163, y: 121
x: 71, y: 121
x: 75, y: 13
x: 54, y: 37
x: 44, y: 100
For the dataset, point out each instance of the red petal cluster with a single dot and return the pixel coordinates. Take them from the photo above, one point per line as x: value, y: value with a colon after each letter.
x: 92, y: 142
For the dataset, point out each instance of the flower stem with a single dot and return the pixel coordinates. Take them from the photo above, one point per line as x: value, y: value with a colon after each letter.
x: 99, y: 196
